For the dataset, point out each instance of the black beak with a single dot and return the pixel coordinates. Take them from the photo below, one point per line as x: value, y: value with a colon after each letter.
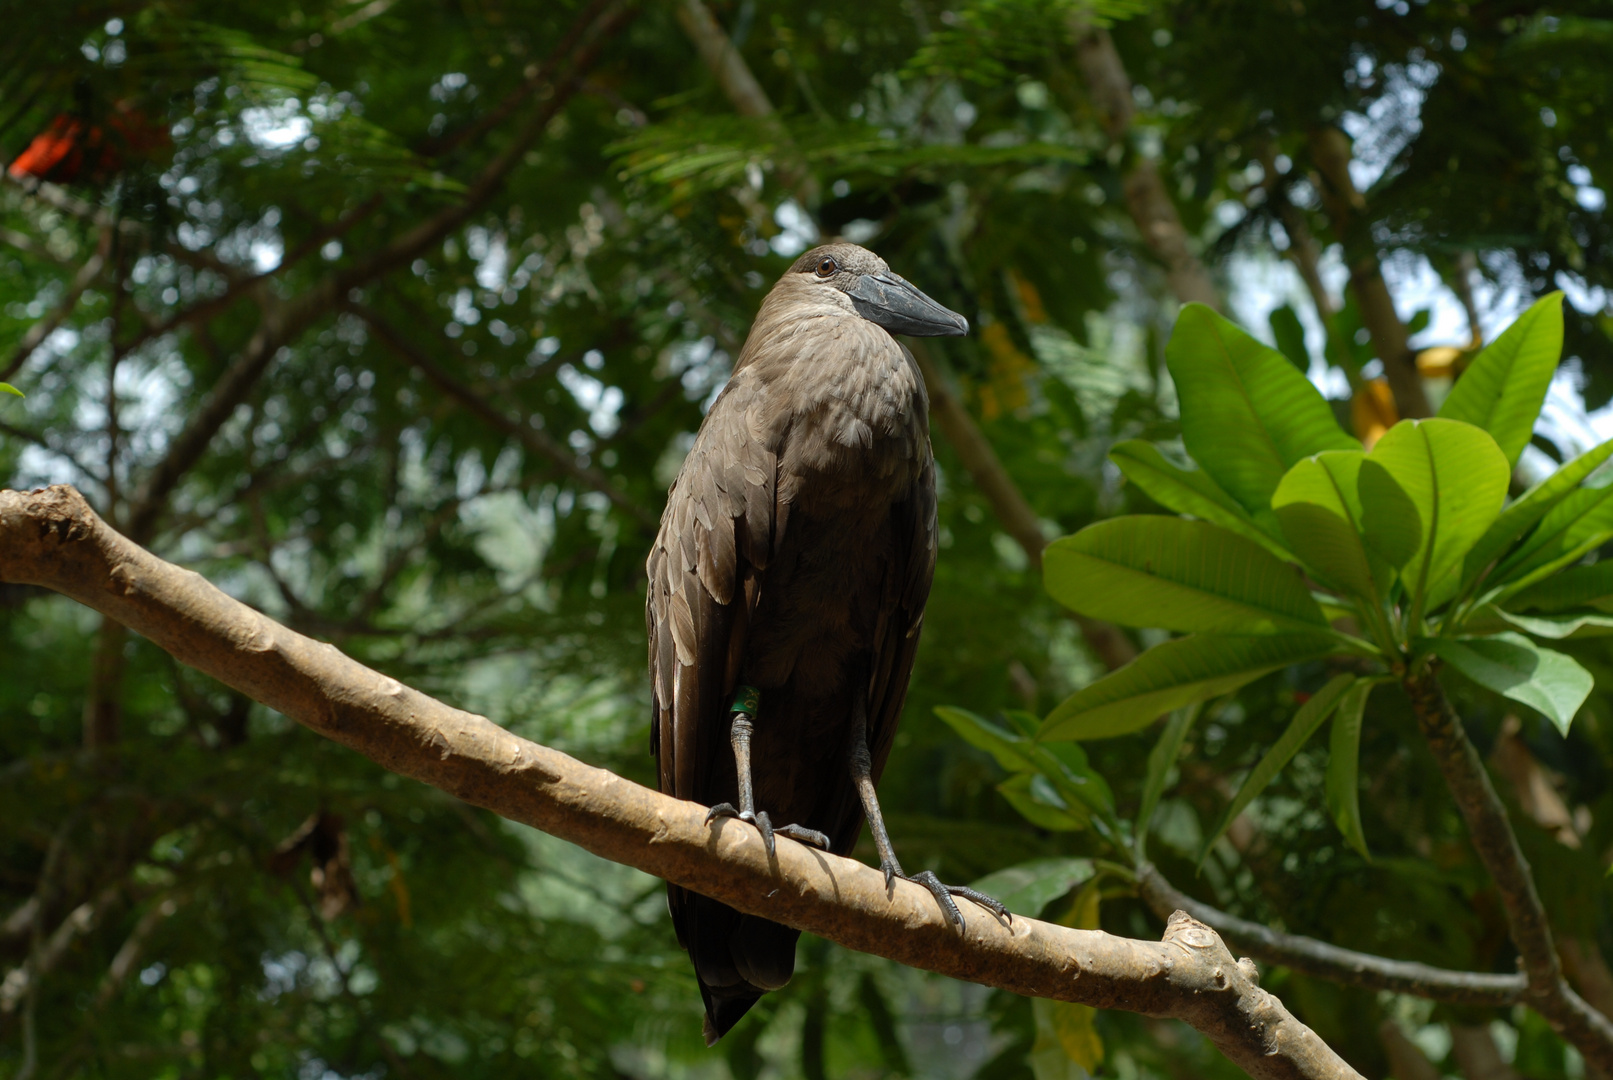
x: 889, y: 301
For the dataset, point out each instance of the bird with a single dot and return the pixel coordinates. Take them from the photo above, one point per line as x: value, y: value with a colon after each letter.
x: 786, y: 594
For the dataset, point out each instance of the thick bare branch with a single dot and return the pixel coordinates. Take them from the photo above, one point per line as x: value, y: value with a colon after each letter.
x: 1497, y: 847
x: 52, y: 538
x: 1330, y: 962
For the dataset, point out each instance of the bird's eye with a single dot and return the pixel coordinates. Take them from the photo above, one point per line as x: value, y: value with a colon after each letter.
x: 827, y: 268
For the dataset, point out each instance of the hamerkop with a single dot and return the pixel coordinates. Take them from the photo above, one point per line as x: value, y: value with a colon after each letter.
x: 787, y: 589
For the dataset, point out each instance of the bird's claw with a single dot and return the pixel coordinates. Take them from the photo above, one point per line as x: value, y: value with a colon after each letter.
x: 944, y: 893
x: 764, y: 825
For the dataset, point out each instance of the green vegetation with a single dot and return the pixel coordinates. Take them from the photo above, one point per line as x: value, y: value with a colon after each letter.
x: 395, y: 318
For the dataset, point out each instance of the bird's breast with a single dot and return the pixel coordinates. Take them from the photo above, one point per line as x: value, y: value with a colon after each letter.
x: 851, y: 415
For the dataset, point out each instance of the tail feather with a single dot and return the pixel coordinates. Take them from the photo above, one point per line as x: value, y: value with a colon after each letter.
x: 737, y: 957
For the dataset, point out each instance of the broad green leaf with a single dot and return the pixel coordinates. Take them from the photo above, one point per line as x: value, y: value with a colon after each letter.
x: 1454, y: 477
x: 1557, y: 627
x: 1192, y: 576
x: 1504, y: 387
x: 1029, y: 887
x: 1039, y: 803
x: 1247, y: 415
x: 1320, y: 511
x: 1577, y: 525
x: 1190, y: 491
x: 1065, y: 767
x: 1515, y: 667
x: 1289, y: 334
x: 1343, y: 762
x: 1577, y: 586
x: 1066, y: 1039
x: 1302, y: 727
x: 1160, y: 760
x: 1173, y: 675
x: 7, y: 388
x: 1530, y: 507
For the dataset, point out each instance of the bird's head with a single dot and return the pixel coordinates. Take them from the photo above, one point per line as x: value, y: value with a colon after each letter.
x: 855, y: 280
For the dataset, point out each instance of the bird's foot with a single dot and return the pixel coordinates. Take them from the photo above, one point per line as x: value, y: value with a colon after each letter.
x: 764, y: 825
x: 944, y: 893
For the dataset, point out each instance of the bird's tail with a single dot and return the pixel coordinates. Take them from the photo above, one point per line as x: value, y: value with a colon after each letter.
x: 737, y: 957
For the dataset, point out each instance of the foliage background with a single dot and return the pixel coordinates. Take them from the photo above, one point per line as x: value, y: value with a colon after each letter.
x: 595, y: 298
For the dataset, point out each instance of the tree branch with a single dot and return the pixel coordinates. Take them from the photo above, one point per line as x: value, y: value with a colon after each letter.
x: 1150, y: 205
x: 52, y: 538
x: 1330, y: 962
x: 42, y: 329
x: 1330, y: 152
x: 1497, y: 847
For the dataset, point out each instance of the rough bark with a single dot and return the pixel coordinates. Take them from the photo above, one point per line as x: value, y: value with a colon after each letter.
x: 53, y: 539
x: 1493, y: 839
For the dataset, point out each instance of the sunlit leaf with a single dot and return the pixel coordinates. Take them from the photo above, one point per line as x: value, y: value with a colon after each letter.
x: 1503, y: 388
x: 1173, y: 675
x: 1429, y: 489
x: 1192, y: 576
x: 1247, y: 415
x: 1190, y: 491
x: 1320, y: 511
x: 1530, y: 507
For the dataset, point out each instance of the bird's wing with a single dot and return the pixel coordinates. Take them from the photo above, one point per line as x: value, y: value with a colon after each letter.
x: 716, y: 536
x: 901, y: 616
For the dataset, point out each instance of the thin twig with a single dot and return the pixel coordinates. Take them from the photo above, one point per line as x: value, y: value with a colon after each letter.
x: 1330, y: 962
x: 42, y: 329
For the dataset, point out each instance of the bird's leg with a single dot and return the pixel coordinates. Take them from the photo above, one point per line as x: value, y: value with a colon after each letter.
x: 862, y: 773
x: 739, y: 734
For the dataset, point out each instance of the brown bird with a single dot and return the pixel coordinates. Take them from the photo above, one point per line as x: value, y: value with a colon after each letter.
x: 787, y: 589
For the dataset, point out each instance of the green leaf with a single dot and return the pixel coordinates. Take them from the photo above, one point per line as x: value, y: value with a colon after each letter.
x: 1581, y: 522
x: 1190, y: 491
x: 1343, y: 762
x: 1302, y: 727
x: 1173, y: 675
x: 1557, y: 627
x: 1319, y: 508
x: 1029, y: 887
x: 1192, y: 576
x: 1065, y: 767
x: 7, y: 388
x: 1160, y: 760
x: 1504, y: 387
x: 1038, y: 802
x: 1289, y: 334
x: 1515, y: 667
x: 1247, y: 415
x: 1453, y: 477
x: 1574, y: 587
x: 1529, y: 508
